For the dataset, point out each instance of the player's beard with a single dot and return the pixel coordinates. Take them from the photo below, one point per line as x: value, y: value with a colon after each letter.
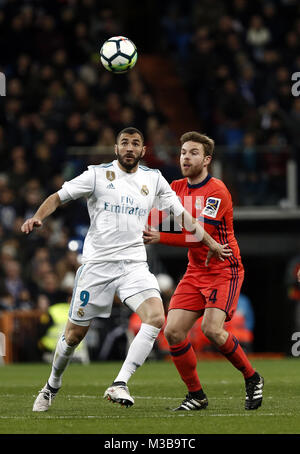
x: 193, y: 171
x: 128, y: 166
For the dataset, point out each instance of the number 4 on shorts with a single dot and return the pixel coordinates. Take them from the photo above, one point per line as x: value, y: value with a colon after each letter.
x: 213, y: 296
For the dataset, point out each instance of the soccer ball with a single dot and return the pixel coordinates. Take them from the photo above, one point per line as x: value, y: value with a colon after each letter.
x: 118, y: 54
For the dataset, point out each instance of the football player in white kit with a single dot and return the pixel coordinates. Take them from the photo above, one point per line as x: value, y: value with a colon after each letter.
x: 119, y: 197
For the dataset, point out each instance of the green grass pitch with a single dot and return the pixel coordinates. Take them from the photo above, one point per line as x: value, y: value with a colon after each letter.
x: 80, y: 409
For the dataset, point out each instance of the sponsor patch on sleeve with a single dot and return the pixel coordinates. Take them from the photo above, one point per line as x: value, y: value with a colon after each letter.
x: 212, y: 206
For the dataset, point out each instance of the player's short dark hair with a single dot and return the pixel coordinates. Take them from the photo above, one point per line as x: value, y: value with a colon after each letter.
x: 207, y: 142
x: 130, y: 130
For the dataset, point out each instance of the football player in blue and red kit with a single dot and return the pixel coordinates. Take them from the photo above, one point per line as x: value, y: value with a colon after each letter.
x: 212, y: 290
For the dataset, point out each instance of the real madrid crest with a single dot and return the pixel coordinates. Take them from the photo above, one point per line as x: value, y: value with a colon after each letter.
x: 144, y: 190
x: 80, y: 312
x: 110, y: 175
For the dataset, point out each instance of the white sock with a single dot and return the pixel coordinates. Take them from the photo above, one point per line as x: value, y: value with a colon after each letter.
x: 62, y: 356
x: 139, y: 350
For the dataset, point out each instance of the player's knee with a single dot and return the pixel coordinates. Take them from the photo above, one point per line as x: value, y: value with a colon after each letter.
x: 73, y: 340
x: 156, y: 319
x: 152, y: 312
x: 211, y: 331
x: 173, y: 335
x: 73, y: 337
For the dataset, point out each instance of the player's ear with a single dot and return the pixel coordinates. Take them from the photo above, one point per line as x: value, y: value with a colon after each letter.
x: 208, y: 159
x: 116, y: 149
x: 143, y: 151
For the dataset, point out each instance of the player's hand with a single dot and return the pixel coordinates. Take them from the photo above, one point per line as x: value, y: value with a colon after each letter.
x: 220, y: 251
x: 151, y: 236
x: 30, y: 224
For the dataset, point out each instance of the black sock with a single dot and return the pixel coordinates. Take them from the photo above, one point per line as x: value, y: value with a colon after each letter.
x: 119, y: 383
x: 53, y: 390
x: 254, y: 377
x: 197, y: 394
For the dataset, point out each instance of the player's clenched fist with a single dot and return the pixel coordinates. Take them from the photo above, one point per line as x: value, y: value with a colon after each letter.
x: 29, y: 225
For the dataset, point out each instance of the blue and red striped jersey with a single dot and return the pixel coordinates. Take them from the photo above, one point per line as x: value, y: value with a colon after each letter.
x: 210, y: 203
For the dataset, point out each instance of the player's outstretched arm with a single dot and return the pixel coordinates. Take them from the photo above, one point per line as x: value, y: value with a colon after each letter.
x: 47, y: 207
x: 178, y: 239
x: 220, y: 251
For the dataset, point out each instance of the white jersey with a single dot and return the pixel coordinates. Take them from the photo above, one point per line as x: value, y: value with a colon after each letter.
x: 119, y: 204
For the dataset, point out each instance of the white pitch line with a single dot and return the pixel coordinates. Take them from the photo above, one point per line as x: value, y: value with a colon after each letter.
x: 204, y: 414
x: 85, y: 396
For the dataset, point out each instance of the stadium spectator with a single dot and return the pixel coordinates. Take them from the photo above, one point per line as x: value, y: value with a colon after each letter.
x: 12, y: 281
x: 67, y: 265
x: 50, y: 287
x: 8, y: 208
x: 258, y: 36
x: 7, y: 301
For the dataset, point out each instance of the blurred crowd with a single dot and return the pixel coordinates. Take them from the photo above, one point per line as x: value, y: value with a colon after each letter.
x: 59, y: 99
x: 236, y: 58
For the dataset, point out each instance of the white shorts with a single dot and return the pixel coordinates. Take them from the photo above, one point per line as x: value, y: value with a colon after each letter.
x: 97, y: 283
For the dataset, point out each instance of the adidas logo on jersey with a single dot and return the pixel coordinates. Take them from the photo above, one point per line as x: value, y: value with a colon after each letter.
x: 110, y: 186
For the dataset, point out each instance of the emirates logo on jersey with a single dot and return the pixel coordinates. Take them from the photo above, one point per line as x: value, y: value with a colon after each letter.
x: 110, y: 175
x: 144, y: 190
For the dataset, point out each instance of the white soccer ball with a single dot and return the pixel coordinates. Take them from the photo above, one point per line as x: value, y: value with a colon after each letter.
x: 118, y: 54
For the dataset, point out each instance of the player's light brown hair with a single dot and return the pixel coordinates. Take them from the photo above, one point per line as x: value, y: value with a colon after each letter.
x: 207, y: 142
